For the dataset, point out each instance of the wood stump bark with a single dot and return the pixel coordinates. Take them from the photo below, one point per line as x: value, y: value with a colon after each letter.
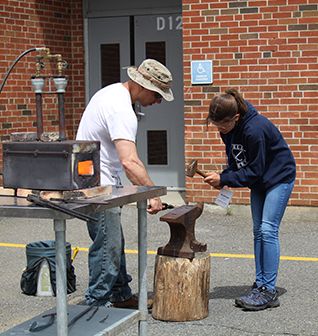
x: 181, y: 288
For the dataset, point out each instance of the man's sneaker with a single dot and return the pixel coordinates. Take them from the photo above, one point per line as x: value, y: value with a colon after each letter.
x: 131, y: 303
x: 262, y: 299
x: 252, y: 292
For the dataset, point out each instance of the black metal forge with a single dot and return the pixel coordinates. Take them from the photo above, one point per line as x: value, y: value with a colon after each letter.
x: 50, y: 165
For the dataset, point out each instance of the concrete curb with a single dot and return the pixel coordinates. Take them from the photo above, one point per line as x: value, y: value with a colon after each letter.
x: 293, y: 213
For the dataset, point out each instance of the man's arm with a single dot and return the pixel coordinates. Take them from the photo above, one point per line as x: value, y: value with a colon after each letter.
x: 135, y: 170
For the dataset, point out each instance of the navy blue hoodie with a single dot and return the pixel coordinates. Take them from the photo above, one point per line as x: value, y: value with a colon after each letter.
x: 259, y: 156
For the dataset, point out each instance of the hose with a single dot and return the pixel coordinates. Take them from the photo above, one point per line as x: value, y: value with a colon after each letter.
x: 15, y: 62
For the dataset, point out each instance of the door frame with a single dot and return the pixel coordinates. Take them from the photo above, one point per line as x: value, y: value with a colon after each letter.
x: 87, y: 16
x: 131, y: 12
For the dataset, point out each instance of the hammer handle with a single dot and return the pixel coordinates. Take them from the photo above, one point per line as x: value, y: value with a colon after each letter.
x: 201, y: 173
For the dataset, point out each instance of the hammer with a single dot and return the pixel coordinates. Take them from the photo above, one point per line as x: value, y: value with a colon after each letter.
x: 192, y: 169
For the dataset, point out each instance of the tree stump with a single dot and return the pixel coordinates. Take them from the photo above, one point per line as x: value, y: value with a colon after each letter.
x: 181, y: 288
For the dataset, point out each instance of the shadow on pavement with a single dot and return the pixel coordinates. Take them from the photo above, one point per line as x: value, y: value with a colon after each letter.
x: 232, y: 292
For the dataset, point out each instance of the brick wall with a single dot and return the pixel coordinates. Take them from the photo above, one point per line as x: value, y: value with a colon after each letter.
x: 268, y: 50
x: 57, y: 25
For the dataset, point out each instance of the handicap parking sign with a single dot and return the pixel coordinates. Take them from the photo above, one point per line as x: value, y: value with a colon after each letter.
x: 201, y: 72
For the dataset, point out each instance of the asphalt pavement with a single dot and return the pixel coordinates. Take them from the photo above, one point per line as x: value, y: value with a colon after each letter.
x: 230, y: 243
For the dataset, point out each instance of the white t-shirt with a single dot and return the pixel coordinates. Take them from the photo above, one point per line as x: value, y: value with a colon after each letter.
x: 109, y: 116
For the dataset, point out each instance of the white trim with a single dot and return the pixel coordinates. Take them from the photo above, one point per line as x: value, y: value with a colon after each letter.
x: 86, y: 59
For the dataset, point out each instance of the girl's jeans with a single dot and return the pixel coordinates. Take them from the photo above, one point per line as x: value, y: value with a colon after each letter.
x: 108, y: 279
x: 268, y: 208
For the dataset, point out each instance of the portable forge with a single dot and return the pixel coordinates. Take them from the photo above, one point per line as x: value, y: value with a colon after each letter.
x: 50, y: 165
x: 65, y: 165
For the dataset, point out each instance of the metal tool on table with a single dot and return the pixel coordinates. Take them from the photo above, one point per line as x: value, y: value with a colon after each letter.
x: 193, y: 168
x: 182, y: 240
x: 94, y: 312
x: 166, y: 206
x: 77, y: 317
x: 80, y: 201
x: 35, y: 328
x: 104, y: 319
x: 48, y: 204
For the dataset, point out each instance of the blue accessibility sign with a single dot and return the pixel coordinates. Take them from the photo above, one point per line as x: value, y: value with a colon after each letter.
x: 201, y: 72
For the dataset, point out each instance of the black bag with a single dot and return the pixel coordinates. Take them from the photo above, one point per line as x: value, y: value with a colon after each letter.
x: 35, y: 253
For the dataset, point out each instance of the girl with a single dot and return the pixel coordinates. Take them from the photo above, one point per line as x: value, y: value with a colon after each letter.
x: 258, y: 158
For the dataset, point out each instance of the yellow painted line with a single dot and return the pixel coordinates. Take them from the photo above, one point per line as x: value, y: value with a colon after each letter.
x: 85, y: 249
x: 249, y: 256
x: 24, y: 245
x: 299, y: 258
x: 246, y: 256
x: 225, y: 255
x: 136, y: 252
x: 12, y: 245
x: 217, y: 255
x: 222, y: 255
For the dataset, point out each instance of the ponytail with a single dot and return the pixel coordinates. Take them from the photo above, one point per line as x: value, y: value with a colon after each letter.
x: 242, y: 109
x: 225, y: 106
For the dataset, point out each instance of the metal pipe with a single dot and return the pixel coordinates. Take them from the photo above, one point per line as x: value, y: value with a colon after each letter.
x: 142, y: 266
x: 61, y: 289
x: 60, y: 84
x: 62, y: 136
x: 39, y: 115
x: 38, y: 84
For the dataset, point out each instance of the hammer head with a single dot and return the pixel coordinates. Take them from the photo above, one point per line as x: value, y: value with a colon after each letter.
x: 192, y: 168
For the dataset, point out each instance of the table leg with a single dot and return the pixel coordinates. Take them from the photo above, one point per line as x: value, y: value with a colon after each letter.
x: 142, y: 266
x: 61, y: 289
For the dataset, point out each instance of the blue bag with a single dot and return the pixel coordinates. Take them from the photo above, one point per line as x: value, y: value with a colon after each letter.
x: 35, y: 253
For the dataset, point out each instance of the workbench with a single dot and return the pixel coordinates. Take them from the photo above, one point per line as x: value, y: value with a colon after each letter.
x: 118, y: 319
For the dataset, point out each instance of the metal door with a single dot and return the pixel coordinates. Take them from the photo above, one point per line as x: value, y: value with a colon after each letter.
x: 108, y: 51
x: 160, y: 139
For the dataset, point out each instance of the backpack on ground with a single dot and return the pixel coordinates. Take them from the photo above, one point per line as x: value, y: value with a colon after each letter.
x: 36, y: 253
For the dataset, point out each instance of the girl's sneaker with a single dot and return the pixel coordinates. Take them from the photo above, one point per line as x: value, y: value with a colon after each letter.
x: 262, y: 299
x: 252, y: 292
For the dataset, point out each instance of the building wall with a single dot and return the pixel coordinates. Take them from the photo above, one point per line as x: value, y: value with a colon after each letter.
x: 57, y: 25
x: 268, y: 51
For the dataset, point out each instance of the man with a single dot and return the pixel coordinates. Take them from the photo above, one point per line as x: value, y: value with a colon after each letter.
x: 110, y: 119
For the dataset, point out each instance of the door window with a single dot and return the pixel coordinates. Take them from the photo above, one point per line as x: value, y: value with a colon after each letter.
x: 157, y: 150
x: 110, y: 63
x: 157, y: 51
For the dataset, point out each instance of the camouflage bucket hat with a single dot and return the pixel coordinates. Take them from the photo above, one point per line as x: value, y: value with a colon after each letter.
x: 153, y: 76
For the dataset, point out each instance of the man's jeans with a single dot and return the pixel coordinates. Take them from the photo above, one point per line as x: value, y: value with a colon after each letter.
x: 268, y: 208
x: 108, y: 279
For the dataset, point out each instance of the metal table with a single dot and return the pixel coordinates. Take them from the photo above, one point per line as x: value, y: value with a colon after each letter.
x: 20, y: 207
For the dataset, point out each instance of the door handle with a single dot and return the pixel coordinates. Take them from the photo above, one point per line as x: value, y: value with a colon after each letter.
x: 138, y: 110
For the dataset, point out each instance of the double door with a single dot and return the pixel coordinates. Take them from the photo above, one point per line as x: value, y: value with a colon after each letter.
x: 122, y: 41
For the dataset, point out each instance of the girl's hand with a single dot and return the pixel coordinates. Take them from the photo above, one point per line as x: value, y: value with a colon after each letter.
x: 213, y: 179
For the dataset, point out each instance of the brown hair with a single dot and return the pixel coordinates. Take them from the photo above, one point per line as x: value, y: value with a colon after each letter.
x: 225, y: 106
